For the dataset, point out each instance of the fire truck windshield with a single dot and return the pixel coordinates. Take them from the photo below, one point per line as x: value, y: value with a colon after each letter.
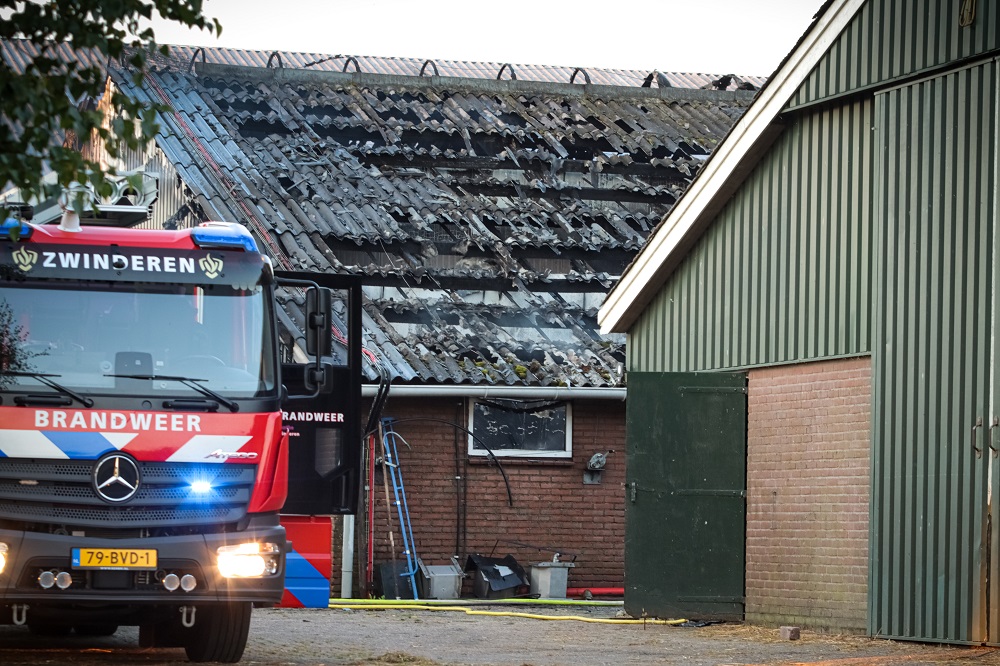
x: 82, y: 334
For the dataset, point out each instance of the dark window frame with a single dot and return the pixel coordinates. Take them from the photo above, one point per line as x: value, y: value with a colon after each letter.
x: 505, y: 414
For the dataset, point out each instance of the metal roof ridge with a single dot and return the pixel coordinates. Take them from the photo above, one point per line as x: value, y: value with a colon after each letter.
x: 480, y: 391
x: 290, y: 75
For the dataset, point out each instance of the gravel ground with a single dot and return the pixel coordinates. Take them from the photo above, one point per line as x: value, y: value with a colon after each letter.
x: 450, y: 637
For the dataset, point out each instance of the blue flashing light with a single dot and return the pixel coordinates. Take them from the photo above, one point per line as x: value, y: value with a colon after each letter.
x: 223, y: 235
x: 201, y: 487
x: 23, y: 230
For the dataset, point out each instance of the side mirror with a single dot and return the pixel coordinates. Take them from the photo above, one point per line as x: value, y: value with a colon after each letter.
x: 319, y: 317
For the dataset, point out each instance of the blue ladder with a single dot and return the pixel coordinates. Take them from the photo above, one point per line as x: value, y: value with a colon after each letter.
x: 390, y: 458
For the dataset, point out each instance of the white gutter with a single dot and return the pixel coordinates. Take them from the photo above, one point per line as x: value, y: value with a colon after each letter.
x: 644, y: 277
x: 522, y: 392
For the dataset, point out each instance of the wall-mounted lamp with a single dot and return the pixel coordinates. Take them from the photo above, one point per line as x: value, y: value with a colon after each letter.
x: 592, y: 475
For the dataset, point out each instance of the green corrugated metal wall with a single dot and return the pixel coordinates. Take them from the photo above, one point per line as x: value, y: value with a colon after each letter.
x: 784, y: 273
x: 932, y: 365
x: 787, y: 273
x: 892, y: 39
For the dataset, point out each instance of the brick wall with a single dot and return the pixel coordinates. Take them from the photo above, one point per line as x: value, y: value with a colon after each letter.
x: 552, y: 507
x: 808, y: 489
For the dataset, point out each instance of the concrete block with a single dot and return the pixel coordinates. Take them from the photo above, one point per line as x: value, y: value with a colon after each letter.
x: 790, y: 633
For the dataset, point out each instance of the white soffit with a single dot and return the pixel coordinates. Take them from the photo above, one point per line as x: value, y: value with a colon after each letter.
x: 641, y: 281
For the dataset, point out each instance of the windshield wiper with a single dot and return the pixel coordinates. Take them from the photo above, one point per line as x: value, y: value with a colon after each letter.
x: 45, y: 379
x: 190, y: 382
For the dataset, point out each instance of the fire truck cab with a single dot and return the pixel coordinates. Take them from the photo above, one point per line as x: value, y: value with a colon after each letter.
x: 143, y: 462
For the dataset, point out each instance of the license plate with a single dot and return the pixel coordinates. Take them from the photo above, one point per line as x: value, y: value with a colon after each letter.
x: 114, y: 558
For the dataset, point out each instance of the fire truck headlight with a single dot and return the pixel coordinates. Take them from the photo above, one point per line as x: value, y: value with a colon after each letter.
x: 3, y: 557
x: 248, y: 560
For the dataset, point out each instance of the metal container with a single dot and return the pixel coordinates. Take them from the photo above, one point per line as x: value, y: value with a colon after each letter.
x: 440, y: 581
x: 549, y: 579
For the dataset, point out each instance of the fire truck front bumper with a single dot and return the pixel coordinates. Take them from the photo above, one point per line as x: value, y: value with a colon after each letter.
x: 80, y: 570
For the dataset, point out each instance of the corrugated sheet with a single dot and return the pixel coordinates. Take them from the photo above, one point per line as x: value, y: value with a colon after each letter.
x: 489, y: 221
x: 933, y: 555
x: 784, y: 273
x: 19, y: 53
x: 892, y: 39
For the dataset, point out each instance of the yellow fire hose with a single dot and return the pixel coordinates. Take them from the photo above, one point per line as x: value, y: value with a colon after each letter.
x: 354, y: 604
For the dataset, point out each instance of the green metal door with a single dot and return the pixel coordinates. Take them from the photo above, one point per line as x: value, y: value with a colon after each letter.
x: 933, y: 357
x: 685, y: 510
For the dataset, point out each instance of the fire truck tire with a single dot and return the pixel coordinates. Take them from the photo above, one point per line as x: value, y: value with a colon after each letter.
x: 220, y: 633
x: 96, y: 629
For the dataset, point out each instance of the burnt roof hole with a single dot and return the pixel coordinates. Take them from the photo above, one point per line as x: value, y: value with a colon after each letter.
x: 351, y: 136
x: 510, y: 119
x: 327, y: 110
x: 406, y: 316
x: 405, y: 223
x: 217, y: 86
x: 257, y: 129
x: 351, y: 256
x: 624, y: 126
x: 407, y: 98
x: 638, y: 224
x: 663, y: 152
x: 586, y: 149
x: 426, y: 141
x: 300, y: 189
x: 400, y: 115
x: 469, y: 355
x: 485, y: 144
x: 596, y: 123
x: 607, y: 225
x: 441, y: 234
x: 537, y: 354
x: 612, y: 266
x: 499, y: 229
x: 249, y: 106
x: 693, y: 149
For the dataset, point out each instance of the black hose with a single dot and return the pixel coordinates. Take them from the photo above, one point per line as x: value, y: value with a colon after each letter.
x: 489, y: 451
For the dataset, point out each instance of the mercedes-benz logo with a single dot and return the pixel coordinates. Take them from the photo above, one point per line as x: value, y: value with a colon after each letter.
x: 116, y: 478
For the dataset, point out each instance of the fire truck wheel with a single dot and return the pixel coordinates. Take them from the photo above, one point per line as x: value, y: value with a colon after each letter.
x: 220, y: 633
x: 96, y: 629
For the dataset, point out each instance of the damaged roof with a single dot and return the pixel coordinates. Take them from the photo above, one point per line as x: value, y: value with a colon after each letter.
x: 488, y: 218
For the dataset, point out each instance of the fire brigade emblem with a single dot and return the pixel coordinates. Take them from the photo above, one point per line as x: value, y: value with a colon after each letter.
x: 25, y: 258
x: 211, y: 266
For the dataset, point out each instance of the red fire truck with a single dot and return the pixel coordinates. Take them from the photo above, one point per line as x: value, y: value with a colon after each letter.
x: 143, y: 459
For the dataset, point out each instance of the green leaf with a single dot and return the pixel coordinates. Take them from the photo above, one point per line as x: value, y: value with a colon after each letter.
x: 45, y: 98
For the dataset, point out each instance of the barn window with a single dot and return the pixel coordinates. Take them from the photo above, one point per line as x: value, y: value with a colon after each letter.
x: 527, y: 429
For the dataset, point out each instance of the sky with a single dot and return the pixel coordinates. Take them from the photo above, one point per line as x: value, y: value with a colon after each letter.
x: 748, y: 37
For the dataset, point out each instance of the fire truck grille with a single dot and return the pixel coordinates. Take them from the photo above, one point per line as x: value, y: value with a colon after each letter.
x: 62, y: 492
